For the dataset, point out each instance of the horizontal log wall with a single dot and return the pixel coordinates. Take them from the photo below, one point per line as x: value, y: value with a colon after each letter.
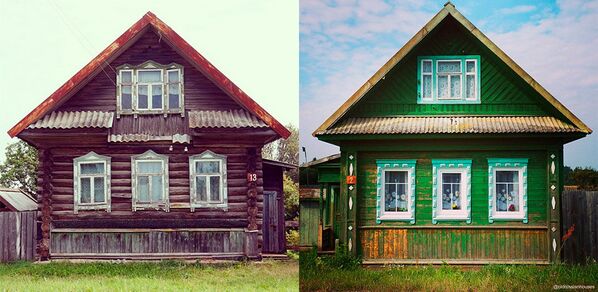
x: 89, y: 243
x: 480, y: 245
x: 18, y: 234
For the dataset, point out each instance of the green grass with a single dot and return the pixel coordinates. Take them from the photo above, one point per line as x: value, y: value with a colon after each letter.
x: 139, y: 276
x: 324, y: 274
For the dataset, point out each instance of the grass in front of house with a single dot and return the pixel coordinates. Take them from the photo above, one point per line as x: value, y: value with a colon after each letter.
x: 324, y: 274
x: 147, y: 276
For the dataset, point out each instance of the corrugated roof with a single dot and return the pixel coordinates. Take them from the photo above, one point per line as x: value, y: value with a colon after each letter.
x: 76, y: 119
x: 224, y: 119
x: 450, y: 125
x: 176, y: 138
x: 16, y: 200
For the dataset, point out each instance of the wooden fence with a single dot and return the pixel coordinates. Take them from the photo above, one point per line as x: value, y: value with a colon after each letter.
x: 580, y: 208
x: 17, y: 236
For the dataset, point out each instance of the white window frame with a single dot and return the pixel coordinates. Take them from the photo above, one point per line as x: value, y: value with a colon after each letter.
x: 150, y: 85
x: 389, y: 215
x: 149, y: 156
x: 449, y: 76
x: 507, y: 164
x: 431, y: 74
x: 91, y: 158
x: 150, y: 66
x: 208, y: 156
x: 439, y: 167
x: 475, y: 75
x: 464, y: 185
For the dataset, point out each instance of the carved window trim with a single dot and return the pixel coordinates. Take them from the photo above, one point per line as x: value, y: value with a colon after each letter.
x: 91, y: 158
x: 150, y: 65
x: 149, y: 156
x: 208, y: 156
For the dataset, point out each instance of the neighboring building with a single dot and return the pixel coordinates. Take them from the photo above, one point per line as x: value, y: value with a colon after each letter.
x: 18, y: 227
x: 451, y: 153
x: 150, y: 152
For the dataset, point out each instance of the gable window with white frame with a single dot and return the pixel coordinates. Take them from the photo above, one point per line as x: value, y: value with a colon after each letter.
x: 150, y: 88
x: 448, y: 79
x: 507, y: 189
x: 91, y: 182
x: 207, y: 174
x: 395, y: 190
x: 149, y: 181
x: 451, y: 192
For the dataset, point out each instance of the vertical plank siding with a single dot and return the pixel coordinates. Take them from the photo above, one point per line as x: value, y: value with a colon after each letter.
x: 145, y: 243
x: 580, y: 208
x: 309, y: 222
x: 18, y: 234
x: 455, y: 244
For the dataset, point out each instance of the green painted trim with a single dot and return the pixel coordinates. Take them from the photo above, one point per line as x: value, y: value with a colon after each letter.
x: 408, y: 165
x: 462, y: 58
x: 498, y: 163
x: 437, y: 166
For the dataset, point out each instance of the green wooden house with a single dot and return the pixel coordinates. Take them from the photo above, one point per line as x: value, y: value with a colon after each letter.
x: 451, y: 153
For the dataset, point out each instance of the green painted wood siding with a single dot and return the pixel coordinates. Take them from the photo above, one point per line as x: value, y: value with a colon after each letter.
x: 537, y: 189
x: 309, y: 221
x: 502, y: 91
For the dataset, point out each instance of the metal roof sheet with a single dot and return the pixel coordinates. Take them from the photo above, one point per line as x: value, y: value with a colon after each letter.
x: 76, y: 119
x: 224, y: 119
x: 450, y: 125
x: 176, y: 138
x: 17, y: 200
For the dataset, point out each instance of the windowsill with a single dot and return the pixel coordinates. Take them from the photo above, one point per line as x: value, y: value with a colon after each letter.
x: 150, y: 206
x: 451, y: 218
x: 396, y: 217
x: 150, y: 112
x: 508, y: 217
x: 223, y: 206
x: 92, y: 207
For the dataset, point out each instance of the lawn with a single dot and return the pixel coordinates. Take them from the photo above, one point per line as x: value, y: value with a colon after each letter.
x: 320, y: 274
x: 139, y: 276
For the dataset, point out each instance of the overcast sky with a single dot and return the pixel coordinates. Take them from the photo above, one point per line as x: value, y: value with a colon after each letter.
x: 255, y: 43
x: 343, y: 43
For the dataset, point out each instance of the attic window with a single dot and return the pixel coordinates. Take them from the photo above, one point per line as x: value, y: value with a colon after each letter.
x: 150, y: 88
x: 448, y: 79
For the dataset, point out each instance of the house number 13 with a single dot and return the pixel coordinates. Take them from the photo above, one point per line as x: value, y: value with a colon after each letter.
x: 251, y: 177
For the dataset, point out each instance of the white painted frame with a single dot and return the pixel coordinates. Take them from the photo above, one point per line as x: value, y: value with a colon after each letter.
x: 168, y: 82
x: 465, y: 187
x: 431, y: 74
x: 149, y: 156
x: 387, y: 215
x: 475, y: 76
x: 519, y: 215
x: 150, y: 85
x: 208, y: 156
x: 449, y: 75
x: 91, y: 158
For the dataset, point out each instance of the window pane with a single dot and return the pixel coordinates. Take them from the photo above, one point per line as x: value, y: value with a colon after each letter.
x: 149, y: 167
x: 427, y: 86
x: 471, y: 66
x: 201, y: 188
x: 173, y: 96
x: 92, y: 168
x: 98, y: 189
x: 173, y: 76
x: 427, y: 66
x: 513, y: 198
x: 214, y: 188
x: 507, y: 176
x: 390, y: 194
x: 470, y: 87
x: 449, y: 66
x: 395, y: 177
x: 126, y: 97
x: 150, y: 76
x: 451, y: 191
x: 157, y: 188
x: 507, y: 191
x: 443, y: 87
x: 156, y: 96
x: 455, y: 86
x: 85, y: 190
x: 402, y: 197
x: 207, y: 167
x: 142, y: 101
x: 143, y: 188
x: 126, y: 77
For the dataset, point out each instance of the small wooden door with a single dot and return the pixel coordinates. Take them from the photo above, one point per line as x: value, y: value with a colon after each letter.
x: 273, y: 232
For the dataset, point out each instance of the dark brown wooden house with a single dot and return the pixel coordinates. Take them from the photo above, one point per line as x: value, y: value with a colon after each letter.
x: 150, y: 152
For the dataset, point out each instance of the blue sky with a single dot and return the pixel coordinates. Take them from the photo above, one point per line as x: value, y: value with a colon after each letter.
x: 342, y: 44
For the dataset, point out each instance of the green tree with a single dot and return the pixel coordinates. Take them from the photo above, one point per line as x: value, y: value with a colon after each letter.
x: 585, y: 178
x: 285, y: 150
x: 291, y: 200
x: 19, y: 169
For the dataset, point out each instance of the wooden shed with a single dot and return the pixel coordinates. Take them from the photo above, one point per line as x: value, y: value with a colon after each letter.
x: 18, y: 230
x: 451, y: 153
x: 274, y: 221
x: 150, y: 152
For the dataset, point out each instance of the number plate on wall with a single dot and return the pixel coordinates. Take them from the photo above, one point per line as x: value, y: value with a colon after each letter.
x: 351, y: 179
x: 251, y: 177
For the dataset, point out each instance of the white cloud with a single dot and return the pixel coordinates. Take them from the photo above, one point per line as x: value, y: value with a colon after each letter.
x: 517, y: 9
